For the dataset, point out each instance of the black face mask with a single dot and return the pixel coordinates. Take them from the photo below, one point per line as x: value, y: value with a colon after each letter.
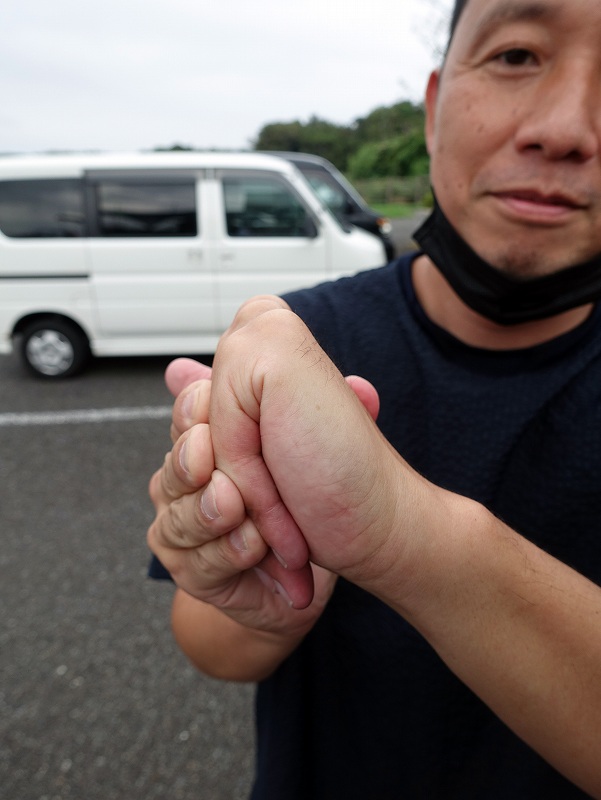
x: 505, y: 300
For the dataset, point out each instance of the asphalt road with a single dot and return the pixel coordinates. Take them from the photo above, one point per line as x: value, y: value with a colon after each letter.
x: 403, y: 229
x: 96, y: 702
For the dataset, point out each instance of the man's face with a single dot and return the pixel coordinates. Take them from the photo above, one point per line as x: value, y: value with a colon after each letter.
x: 514, y: 132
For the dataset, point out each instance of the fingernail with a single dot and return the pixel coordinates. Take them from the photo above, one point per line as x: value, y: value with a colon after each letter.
x: 208, y: 503
x: 265, y: 579
x: 238, y: 540
x: 183, y: 457
x: 280, y: 559
x: 273, y: 585
x: 187, y: 407
x: 279, y: 589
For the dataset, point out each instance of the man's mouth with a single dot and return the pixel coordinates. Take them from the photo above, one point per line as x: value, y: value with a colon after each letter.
x: 539, y: 205
x: 538, y: 198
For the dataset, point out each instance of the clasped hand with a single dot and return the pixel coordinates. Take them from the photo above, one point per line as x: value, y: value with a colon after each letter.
x: 276, y: 470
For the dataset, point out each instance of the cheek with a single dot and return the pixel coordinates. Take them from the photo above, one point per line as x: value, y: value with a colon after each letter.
x: 468, y: 141
x: 450, y: 171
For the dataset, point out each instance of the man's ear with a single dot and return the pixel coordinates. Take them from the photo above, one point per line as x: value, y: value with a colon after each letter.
x: 431, y: 99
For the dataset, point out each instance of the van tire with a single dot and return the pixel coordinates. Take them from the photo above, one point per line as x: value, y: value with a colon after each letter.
x: 54, y: 348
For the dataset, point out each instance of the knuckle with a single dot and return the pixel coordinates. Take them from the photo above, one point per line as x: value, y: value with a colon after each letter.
x: 212, y: 572
x: 255, y: 307
x: 151, y: 537
x: 171, y: 528
x: 184, y: 532
x: 166, y: 487
x: 218, y: 562
x: 154, y: 488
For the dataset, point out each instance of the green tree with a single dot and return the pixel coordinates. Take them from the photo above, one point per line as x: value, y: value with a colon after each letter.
x: 386, y: 122
x: 322, y: 138
x: 400, y: 156
x: 389, y: 141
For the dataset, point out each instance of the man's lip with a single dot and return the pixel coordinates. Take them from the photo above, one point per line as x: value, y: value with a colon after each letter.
x: 536, y: 198
x: 534, y: 207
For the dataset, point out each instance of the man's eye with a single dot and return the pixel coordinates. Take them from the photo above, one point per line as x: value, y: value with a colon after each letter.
x: 517, y: 57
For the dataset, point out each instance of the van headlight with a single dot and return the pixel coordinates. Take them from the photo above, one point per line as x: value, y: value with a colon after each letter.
x: 384, y: 226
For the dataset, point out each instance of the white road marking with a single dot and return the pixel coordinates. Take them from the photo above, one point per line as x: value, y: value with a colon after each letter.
x: 85, y: 415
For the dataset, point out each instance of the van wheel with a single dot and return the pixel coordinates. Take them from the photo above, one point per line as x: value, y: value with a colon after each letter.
x: 54, y: 348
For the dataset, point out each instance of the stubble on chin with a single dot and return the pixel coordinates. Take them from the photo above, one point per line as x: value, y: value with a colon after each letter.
x: 523, y: 263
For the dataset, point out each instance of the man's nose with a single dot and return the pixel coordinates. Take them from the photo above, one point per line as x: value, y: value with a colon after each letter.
x: 564, y: 117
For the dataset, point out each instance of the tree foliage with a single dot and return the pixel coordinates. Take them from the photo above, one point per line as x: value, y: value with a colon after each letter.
x: 400, y: 156
x: 386, y: 122
x: 389, y: 141
x: 317, y: 136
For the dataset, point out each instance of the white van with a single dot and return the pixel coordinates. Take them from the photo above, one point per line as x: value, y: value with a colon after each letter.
x: 148, y: 254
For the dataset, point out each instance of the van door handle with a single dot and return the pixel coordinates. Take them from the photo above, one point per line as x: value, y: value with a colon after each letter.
x: 195, y: 255
x: 228, y: 257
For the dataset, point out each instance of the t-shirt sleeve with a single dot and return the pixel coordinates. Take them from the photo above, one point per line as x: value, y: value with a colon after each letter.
x: 157, y: 571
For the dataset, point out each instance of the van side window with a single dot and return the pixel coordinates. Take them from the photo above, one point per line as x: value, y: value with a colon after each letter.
x: 129, y: 208
x: 47, y: 208
x: 258, y: 206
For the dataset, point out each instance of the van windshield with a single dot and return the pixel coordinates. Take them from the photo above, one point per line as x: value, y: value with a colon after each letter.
x: 329, y: 193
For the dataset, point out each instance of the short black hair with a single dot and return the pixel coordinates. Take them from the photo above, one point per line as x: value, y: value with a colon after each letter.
x: 457, y: 11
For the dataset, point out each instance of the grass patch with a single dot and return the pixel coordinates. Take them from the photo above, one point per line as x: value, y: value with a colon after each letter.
x: 395, y: 210
x: 395, y: 194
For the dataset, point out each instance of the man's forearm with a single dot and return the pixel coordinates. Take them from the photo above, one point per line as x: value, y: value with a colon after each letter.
x: 520, y: 628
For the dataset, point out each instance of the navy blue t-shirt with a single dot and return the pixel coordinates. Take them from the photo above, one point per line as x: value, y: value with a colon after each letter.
x: 364, y: 709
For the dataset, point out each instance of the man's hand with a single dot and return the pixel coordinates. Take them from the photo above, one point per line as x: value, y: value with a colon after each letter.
x: 185, y: 493
x: 282, y: 415
x: 232, y: 565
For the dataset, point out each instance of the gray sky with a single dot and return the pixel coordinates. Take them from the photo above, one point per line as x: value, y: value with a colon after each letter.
x: 136, y: 74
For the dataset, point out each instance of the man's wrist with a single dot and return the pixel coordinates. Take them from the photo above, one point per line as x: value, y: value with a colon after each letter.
x: 423, y: 559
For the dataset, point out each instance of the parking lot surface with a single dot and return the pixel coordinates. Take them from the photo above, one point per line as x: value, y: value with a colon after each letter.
x: 96, y: 702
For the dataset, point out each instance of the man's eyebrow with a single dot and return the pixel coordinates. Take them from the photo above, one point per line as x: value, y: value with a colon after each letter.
x: 512, y: 11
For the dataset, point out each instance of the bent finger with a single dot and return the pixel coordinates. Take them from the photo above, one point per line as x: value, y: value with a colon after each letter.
x: 254, y: 307
x: 187, y: 466
x: 182, y: 372
x: 191, y: 407
x: 295, y: 585
x: 196, y: 518
x: 215, y: 567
